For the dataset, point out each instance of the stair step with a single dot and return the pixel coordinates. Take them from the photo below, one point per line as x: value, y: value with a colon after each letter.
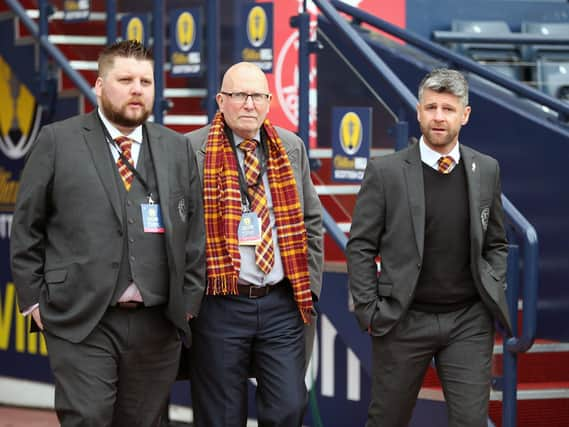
x: 544, y: 361
x: 535, y: 413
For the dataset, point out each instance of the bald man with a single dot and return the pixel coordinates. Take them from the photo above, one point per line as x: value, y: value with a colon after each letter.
x: 264, y: 260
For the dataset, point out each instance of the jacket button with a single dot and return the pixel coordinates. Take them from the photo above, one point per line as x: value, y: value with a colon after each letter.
x: 119, y: 231
x: 115, y: 265
x: 131, y: 220
x: 419, y: 266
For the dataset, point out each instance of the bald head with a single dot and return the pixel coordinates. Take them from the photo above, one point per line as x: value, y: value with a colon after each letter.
x: 244, y: 98
x: 244, y: 72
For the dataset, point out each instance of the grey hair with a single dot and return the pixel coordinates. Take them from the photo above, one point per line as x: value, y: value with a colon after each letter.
x: 444, y: 80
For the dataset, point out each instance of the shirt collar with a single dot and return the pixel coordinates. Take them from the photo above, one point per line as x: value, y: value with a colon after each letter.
x: 431, y: 157
x: 135, y: 135
x: 238, y: 140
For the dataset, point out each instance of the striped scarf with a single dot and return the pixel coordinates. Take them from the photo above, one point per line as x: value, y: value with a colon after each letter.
x: 222, y: 211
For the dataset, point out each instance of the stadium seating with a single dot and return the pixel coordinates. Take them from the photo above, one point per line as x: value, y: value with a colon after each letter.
x: 501, y: 57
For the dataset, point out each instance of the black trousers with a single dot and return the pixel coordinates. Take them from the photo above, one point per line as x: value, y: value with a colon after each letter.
x: 461, y: 342
x: 234, y: 336
x: 121, y: 374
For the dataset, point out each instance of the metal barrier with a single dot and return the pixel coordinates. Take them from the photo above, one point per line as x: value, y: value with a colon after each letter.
x: 48, y: 47
x: 40, y: 33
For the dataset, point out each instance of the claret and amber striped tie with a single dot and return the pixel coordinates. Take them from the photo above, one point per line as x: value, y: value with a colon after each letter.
x: 264, y: 255
x: 126, y: 174
x: 445, y: 164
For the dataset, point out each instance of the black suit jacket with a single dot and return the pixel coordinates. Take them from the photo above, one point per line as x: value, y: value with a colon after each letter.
x: 67, y: 238
x: 389, y: 220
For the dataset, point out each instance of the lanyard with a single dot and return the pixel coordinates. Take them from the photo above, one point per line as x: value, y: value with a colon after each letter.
x: 245, y: 198
x: 112, y: 142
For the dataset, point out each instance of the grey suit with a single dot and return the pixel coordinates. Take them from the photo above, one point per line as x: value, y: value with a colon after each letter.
x: 212, y: 406
x: 389, y: 220
x: 68, y: 233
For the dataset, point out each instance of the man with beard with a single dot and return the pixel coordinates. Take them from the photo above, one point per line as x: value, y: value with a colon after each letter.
x: 108, y: 249
x: 433, y: 213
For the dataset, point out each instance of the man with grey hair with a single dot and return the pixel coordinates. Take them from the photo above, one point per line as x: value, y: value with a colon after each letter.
x: 433, y: 214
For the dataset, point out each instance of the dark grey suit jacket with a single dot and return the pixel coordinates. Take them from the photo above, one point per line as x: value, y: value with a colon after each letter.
x: 309, y: 201
x: 67, y: 238
x: 389, y: 220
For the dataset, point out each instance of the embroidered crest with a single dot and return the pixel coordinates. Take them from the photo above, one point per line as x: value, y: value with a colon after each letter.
x: 484, y: 215
x: 182, y: 209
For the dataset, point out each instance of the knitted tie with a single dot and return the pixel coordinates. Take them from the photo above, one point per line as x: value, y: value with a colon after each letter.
x: 264, y: 256
x: 445, y: 164
x: 126, y: 174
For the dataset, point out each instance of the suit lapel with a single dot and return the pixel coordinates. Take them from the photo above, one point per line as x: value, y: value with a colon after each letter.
x: 472, y: 172
x: 161, y: 168
x: 99, y: 149
x: 413, y: 170
x: 200, y: 157
x: 161, y: 163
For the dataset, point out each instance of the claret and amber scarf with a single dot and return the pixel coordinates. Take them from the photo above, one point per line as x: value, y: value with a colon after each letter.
x: 222, y: 210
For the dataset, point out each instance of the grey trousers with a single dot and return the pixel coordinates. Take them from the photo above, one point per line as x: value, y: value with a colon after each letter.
x: 120, y: 375
x: 461, y: 342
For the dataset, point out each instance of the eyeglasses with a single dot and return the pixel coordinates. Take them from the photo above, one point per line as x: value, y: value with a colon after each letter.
x: 241, y: 97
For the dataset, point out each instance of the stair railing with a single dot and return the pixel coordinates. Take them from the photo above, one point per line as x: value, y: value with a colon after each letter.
x: 52, y: 50
x: 520, y: 342
x: 40, y: 33
x: 515, y: 219
x: 453, y: 58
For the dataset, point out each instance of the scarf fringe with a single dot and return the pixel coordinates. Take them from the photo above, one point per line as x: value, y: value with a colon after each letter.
x: 306, y: 314
x: 222, y: 285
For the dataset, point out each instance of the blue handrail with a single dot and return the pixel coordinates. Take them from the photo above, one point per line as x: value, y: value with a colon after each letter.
x: 55, y: 53
x: 530, y: 278
x: 375, y: 62
x: 452, y: 57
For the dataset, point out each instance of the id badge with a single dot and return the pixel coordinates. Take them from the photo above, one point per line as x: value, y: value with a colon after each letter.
x: 249, y: 230
x: 152, y: 218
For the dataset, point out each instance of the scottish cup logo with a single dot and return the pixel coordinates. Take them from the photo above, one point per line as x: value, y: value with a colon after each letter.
x: 257, y: 26
x: 351, y: 133
x: 185, y: 31
x: 135, y: 29
x: 20, y: 116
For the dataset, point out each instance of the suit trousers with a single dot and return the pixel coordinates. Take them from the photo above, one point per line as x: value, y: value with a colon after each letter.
x: 234, y: 336
x: 121, y: 374
x: 461, y: 343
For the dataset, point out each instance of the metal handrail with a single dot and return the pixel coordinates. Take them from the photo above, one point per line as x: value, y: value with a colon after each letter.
x: 530, y: 278
x: 53, y: 51
x: 375, y: 62
x: 452, y: 57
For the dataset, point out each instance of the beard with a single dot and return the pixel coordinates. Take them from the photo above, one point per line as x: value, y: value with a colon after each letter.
x: 438, y: 140
x: 118, y: 115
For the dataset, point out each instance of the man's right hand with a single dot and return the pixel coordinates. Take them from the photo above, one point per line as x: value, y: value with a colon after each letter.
x: 37, y: 318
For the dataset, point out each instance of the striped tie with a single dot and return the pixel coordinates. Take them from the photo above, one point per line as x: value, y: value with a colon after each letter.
x: 445, y: 164
x: 264, y: 255
x: 126, y: 174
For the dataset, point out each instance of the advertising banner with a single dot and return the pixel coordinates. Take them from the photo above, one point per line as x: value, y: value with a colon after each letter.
x: 351, y: 142
x: 76, y: 10
x: 185, y: 42
x: 254, y: 41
